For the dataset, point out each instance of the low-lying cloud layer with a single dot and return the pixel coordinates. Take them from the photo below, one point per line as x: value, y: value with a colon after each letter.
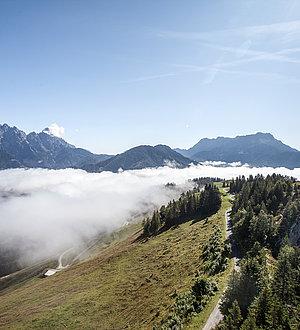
x: 55, y: 210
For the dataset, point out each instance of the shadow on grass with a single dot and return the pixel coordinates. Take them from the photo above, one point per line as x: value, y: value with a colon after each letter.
x: 205, y: 216
x: 142, y: 238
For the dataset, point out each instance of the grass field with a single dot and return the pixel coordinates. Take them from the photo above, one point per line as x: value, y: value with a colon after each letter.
x: 128, y: 285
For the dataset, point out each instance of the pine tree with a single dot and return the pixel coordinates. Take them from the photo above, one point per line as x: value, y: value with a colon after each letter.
x: 155, y: 223
x: 233, y: 318
x: 284, y: 286
x: 146, y: 226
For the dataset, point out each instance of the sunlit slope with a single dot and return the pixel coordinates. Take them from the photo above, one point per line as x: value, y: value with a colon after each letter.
x: 130, y: 284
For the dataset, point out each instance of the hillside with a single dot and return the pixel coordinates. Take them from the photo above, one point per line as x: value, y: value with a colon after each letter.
x: 260, y: 149
x: 141, y: 157
x: 136, y: 279
x: 40, y: 150
x: 264, y: 292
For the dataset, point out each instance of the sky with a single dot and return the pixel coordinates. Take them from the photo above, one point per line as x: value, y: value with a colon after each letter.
x: 116, y: 74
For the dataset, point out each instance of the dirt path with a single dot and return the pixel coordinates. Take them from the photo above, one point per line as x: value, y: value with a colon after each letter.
x: 60, y: 259
x: 216, y: 316
x: 60, y: 265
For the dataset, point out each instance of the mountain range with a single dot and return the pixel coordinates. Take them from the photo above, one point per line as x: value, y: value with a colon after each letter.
x: 44, y: 150
x: 141, y: 157
x: 40, y: 150
x: 260, y: 149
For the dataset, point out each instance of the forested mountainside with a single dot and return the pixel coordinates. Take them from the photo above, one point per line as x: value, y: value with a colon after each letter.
x: 265, y: 293
x: 141, y: 157
x: 196, y: 203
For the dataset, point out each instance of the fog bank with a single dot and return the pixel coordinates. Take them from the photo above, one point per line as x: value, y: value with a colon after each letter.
x: 56, y: 209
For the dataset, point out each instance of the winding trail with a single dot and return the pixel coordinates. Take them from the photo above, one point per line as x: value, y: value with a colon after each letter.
x: 216, y: 316
x: 60, y: 266
x: 60, y: 260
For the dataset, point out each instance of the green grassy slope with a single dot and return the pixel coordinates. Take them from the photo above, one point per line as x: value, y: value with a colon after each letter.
x: 129, y: 284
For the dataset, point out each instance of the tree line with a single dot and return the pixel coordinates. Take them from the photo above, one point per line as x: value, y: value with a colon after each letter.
x: 194, y: 203
x: 264, y: 210
x: 265, y: 293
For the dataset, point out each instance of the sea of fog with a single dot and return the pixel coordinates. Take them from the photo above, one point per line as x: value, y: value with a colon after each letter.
x: 46, y: 211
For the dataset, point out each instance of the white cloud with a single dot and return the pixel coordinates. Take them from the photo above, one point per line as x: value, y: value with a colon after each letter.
x: 63, y: 207
x: 55, y: 130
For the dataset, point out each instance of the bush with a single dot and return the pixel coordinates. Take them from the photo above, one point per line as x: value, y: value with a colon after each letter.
x: 216, y: 253
x: 189, y: 304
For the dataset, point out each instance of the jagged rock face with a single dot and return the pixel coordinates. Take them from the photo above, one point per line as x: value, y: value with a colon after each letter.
x: 14, y: 143
x: 48, y: 147
x: 7, y: 160
x: 48, y: 151
x: 40, y: 150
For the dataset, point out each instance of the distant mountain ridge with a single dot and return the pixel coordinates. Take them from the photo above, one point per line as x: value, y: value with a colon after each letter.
x: 260, y: 149
x: 44, y: 150
x: 141, y: 157
x: 40, y: 150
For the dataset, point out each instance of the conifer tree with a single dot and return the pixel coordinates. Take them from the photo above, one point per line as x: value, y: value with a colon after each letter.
x: 284, y: 282
x: 233, y: 319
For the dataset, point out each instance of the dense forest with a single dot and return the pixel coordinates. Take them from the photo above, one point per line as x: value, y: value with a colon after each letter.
x: 265, y: 292
x: 196, y: 203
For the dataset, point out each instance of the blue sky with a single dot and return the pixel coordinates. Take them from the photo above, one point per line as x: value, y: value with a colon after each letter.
x: 116, y: 74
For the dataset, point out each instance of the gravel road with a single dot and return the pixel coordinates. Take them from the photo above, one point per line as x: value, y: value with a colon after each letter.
x: 216, y: 316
